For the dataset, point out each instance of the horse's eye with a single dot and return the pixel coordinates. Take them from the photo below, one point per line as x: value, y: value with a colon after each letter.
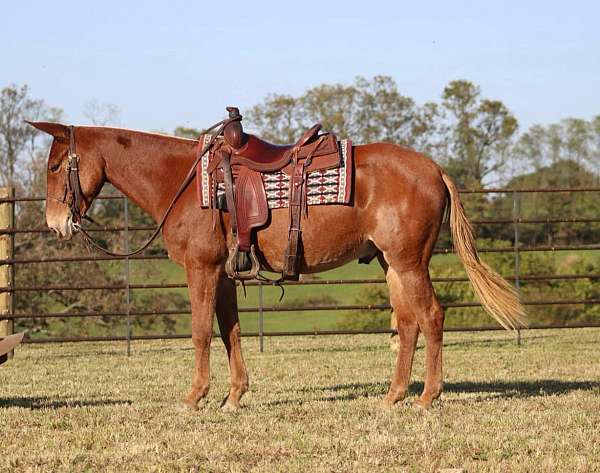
x: 55, y: 167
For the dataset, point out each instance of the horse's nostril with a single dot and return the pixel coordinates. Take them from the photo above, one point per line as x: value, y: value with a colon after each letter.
x: 56, y: 232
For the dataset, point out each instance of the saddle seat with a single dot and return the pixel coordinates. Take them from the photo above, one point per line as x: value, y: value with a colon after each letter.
x: 262, y: 156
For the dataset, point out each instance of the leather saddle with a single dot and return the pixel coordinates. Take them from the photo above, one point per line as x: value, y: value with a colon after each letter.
x: 238, y: 160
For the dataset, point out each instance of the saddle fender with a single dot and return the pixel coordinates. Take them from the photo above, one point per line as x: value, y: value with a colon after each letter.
x: 251, y: 205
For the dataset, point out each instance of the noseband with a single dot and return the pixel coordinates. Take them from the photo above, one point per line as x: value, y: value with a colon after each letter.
x: 74, y: 197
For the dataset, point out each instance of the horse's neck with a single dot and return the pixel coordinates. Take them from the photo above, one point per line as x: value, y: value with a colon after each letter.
x: 148, y: 168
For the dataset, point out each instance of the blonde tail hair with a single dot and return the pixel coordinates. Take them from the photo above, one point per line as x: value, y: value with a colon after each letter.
x: 497, y: 296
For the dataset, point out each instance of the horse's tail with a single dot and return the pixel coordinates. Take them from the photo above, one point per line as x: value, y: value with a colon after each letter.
x: 497, y: 296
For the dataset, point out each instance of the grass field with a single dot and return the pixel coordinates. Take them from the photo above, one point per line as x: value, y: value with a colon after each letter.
x: 314, y: 405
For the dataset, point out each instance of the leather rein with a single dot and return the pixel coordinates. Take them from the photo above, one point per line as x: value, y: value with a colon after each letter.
x: 74, y: 197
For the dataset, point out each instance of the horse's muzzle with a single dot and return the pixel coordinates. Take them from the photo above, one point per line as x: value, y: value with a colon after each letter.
x: 63, y: 230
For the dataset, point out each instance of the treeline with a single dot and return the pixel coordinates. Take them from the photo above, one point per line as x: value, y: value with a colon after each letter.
x: 475, y: 138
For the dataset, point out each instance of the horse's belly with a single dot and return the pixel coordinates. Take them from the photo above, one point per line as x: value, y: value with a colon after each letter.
x: 331, y: 236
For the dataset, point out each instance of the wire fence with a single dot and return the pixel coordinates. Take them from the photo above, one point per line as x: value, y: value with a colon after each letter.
x: 12, y: 262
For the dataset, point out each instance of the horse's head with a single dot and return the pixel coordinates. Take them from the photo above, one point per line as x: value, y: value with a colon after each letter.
x: 75, y: 175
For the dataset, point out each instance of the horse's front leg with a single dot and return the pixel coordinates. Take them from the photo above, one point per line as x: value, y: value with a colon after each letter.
x: 202, y: 284
x: 229, y: 326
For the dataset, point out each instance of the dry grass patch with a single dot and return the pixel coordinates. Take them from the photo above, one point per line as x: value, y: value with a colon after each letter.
x: 314, y: 405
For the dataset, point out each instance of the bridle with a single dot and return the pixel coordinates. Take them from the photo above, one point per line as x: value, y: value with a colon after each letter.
x: 73, y: 197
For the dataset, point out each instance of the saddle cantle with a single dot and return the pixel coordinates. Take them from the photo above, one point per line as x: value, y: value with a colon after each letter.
x: 237, y: 162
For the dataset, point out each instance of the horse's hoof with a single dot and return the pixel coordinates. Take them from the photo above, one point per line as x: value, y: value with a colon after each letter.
x: 229, y: 406
x: 422, y: 405
x: 185, y: 406
x: 391, y: 398
x: 386, y: 404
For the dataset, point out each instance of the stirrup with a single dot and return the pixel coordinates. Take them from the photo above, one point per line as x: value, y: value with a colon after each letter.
x: 232, y: 269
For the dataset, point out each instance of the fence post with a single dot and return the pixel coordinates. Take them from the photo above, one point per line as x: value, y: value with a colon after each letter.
x: 260, y: 317
x: 7, y: 271
x: 516, y: 213
x: 127, y: 274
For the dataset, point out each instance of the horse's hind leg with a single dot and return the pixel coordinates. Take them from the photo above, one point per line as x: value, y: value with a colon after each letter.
x: 229, y: 326
x: 417, y: 309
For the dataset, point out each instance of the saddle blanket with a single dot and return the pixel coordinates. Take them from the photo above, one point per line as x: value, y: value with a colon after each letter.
x: 332, y: 186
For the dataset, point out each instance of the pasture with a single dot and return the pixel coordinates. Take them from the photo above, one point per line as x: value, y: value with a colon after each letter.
x: 313, y: 405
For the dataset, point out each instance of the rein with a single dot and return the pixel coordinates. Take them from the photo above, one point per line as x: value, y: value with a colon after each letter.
x: 74, y: 196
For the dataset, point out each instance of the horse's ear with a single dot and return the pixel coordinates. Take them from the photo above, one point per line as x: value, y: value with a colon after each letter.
x: 58, y: 130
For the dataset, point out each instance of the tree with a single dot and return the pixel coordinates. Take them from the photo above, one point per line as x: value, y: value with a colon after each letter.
x: 571, y: 139
x: 279, y: 118
x: 480, y: 134
x: 101, y: 114
x: 384, y: 114
x: 20, y: 143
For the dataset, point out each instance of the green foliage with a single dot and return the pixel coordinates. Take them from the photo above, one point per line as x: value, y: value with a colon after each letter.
x: 365, y: 111
x: 560, y: 174
x: 22, y: 147
x: 316, y: 300
x: 187, y: 132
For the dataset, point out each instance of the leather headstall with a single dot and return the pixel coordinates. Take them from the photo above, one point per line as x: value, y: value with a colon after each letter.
x: 72, y: 195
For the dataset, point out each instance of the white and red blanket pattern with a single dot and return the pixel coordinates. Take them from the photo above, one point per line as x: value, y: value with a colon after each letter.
x: 333, y: 186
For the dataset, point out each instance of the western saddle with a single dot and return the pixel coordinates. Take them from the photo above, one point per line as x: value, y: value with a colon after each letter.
x: 238, y: 160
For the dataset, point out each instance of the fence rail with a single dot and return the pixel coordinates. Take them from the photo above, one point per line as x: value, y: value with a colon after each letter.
x: 13, y: 261
x: 319, y: 282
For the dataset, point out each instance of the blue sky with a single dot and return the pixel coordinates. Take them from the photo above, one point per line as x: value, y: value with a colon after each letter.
x: 180, y: 63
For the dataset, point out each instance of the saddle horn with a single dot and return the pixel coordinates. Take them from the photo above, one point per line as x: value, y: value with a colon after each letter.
x: 234, y: 132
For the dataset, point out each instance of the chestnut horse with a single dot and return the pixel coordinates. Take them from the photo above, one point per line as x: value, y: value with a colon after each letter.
x: 399, y: 202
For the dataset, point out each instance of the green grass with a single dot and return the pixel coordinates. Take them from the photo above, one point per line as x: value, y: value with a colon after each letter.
x: 314, y: 405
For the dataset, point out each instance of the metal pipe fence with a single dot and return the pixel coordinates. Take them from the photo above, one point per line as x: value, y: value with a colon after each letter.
x: 126, y: 288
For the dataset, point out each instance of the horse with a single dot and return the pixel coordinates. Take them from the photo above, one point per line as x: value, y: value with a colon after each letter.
x: 400, y: 200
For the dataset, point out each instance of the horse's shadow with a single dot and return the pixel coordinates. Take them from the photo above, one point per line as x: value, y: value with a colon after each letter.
x: 44, y: 402
x: 487, y: 390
